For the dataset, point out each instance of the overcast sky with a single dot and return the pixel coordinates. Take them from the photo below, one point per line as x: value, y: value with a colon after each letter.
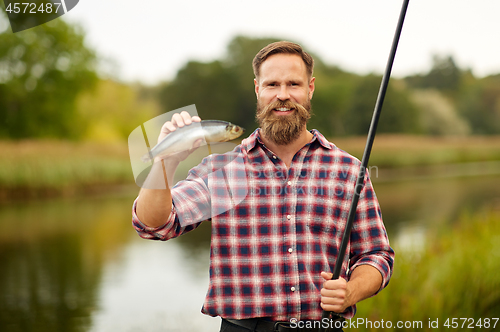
x: 150, y: 40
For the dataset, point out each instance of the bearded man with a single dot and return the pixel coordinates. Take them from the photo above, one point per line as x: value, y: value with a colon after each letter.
x: 272, y: 252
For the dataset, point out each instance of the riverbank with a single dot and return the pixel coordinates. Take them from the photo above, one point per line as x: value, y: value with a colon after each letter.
x: 443, y: 269
x: 35, y: 169
x: 454, y: 277
x: 393, y: 151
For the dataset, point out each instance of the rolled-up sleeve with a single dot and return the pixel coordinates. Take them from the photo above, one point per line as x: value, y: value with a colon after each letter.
x: 190, y: 206
x: 369, y: 243
x: 171, y: 229
x: 382, y: 261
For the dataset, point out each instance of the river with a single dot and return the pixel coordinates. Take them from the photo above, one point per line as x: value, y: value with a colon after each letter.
x: 76, y: 264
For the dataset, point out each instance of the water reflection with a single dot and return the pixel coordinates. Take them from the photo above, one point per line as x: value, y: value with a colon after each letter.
x: 156, y: 287
x: 46, y: 286
x: 51, y: 258
x: 429, y: 203
x: 77, y: 265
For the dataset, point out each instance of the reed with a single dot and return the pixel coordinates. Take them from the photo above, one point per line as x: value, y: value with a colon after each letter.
x: 62, y: 167
x: 35, y: 168
x: 408, y: 150
x: 454, y: 276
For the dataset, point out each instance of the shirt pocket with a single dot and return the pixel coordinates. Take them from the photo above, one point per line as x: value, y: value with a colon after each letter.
x: 323, y: 238
x: 322, y: 227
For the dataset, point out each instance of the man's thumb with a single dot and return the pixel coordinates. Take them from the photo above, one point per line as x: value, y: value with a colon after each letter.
x: 327, y: 275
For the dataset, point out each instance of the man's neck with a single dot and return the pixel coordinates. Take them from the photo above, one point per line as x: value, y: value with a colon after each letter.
x: 287, y: 151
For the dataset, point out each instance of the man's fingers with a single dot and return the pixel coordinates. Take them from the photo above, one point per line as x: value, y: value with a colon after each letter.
x: 178, y: 120
x: 327, y: 275
x: 336, y: 293
x: 332, y: 300
x: 329, y: 283
x: 333, y: 293
x: 184, y: 119
x: 331, y: 307
x: 187, y: 119
x: 168, y: 127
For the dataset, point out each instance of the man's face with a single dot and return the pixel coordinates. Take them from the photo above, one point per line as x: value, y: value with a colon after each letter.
x: 284, y: 91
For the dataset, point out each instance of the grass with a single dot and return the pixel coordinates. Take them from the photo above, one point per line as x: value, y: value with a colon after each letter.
x: 455, y: 276
x: 40, y: 168
x: 406, y: 150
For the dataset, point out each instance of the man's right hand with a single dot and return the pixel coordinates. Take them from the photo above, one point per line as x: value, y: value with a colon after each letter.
x: 154, y: 205
x: 179, y: 120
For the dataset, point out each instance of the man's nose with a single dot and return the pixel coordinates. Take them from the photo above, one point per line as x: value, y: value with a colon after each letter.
x: 283, y: 93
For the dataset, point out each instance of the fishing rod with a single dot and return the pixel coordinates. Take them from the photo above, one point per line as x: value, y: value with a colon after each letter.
x: 366, y: 154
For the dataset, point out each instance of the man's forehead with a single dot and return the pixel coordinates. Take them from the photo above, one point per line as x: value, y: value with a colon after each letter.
x: 283, y: 65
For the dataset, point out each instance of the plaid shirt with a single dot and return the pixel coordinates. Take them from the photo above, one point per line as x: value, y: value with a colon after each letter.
x: 275, y: 229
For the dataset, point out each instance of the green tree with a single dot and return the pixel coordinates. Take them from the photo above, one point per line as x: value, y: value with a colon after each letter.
x: 438, y: 114
x: 42, y: 71
x: 342, y: 102
x: 444, y: 75
x: 334, y: 89
x: 211, y: 86
x: 112, y: 110
x: 221, y: 89
x: 399, y: 114
x: 480, y: 105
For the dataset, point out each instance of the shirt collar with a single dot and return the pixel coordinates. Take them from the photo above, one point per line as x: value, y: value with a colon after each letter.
x: 251, y: 141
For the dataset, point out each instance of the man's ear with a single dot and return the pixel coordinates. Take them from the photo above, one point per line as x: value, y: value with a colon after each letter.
x: 256, y: 86
x: 311, y: 87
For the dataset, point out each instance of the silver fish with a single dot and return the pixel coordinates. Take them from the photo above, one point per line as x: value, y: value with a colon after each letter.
x: 182, y: 139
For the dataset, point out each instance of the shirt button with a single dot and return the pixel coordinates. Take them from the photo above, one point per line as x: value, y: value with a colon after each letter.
x: 292, y: 289
x: 274, y: 157
x: 289, y: 183
x: 288, y: 217
x: 290, y: 250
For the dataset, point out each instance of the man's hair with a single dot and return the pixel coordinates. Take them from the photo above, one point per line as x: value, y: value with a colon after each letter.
x: 282, y: 47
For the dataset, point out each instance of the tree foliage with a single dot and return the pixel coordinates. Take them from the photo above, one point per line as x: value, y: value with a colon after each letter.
x: 342, y: 102
x: 480, y: 105
x: 42, y: 70
x: 331, y: 99
x: 210, y: 86
x: 49, y: 88
x: 111, y: 110
x: 444, y: 75
x: 399, y: 114
x: 438, y: 114
x: 475, y: 102
x: 221, y: 89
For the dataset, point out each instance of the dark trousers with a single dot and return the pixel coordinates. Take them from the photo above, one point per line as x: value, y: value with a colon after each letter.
x: 230, y: 327
x: 226, y: 326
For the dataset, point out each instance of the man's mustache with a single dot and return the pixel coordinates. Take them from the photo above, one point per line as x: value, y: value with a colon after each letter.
x: 281, y: 104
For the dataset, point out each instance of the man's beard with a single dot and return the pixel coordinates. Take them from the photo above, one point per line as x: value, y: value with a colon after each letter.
x: 282, y: 129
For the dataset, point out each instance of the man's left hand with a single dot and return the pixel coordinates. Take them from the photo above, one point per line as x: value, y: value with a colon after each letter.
x: 334, y: 294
